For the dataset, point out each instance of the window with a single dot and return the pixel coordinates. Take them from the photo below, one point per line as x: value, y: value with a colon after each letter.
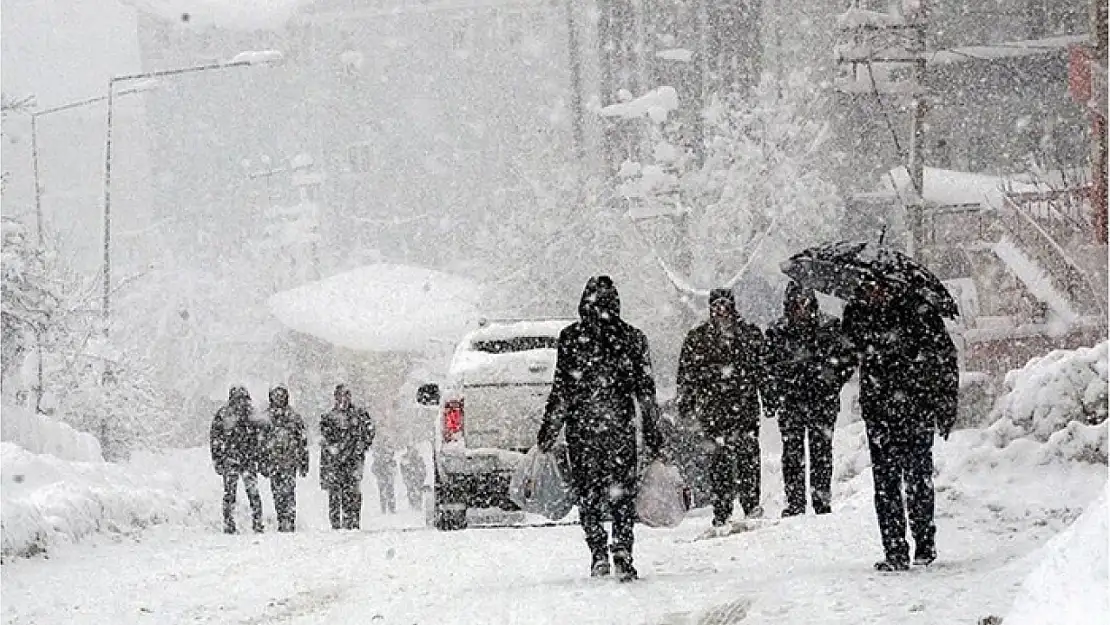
x: 359, y: 157
x: 515, y: 344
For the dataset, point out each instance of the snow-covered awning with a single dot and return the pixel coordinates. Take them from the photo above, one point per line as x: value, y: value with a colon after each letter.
x: 1007, y: 50
x: 382, y: 308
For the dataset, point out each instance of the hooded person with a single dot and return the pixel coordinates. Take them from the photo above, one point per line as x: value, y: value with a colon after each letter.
x: 602, y: 373
x: 235, y: 441
x: 721, y: 375
x: 286, y: 455
x: 909, y: 388
x: 809, y: 360
x: 346, y: 433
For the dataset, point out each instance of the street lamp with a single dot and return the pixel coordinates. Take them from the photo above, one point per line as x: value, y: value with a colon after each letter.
x: 35, y: 115
x: 249, y: 58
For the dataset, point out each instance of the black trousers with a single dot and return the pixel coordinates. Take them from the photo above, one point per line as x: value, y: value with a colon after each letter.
x: 735, y: 473
x: 387, y: 495
x: 797, y: 425
x: 903, y: 458
x: 605, y: 480
x: 231, y: 488
x: 284, y: 486
x: 345, y: 497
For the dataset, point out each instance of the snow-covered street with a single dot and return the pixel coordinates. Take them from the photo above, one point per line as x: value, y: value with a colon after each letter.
x: 995, y: 509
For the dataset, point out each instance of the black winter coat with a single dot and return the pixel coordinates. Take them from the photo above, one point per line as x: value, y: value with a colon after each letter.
x: 346, y: 435
x: 236, y: 440
x: 286, y: 442
x: 909, y: 371
x: 602, y: 370
x: 809, y: 360
x: 721, y: 377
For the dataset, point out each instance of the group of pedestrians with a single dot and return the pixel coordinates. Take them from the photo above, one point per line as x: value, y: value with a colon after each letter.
x: 273, y: 443
x: 730, y: 371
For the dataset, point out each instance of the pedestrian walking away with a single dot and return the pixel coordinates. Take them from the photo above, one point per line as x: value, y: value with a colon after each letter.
x: 721, y: 375
x: 909, y: 385
x: 384, y: 467
x: 235, y: 441
x: 414, y: 472
x: 346, y: 433
x: 809, y: 361
x: 602, y: 372
x: 286, y: 456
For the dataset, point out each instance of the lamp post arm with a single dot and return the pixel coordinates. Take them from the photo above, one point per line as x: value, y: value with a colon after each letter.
x: 179, y: 71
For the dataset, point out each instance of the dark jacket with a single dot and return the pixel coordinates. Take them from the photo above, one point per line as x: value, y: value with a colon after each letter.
x: 345, y: 437
x: 809, y: 358
x: 720, y: 378
x: 286, y: 441
x: 909, y: 372
x: 602, y: 371
x: 235, y: 440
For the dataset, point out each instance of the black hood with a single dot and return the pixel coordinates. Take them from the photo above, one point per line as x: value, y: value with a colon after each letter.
x: 798, y: 294
x: 600, y: 301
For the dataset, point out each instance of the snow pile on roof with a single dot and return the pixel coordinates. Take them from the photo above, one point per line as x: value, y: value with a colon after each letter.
x: 48, y: 501
x: 229, y: 14
x: 656, y: 104
x: 43, y: 435
x: 1070, y: 583
x: 1054, y: 390
x: 862, y: 18
x: 382, y: 308
x: 676, y: 54
x: 946, y: 186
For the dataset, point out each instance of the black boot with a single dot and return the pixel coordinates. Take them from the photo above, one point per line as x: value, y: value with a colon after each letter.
x: 622, y: 564
x: 924, y: 555
x: 599, y: 566
x: 891, y: 565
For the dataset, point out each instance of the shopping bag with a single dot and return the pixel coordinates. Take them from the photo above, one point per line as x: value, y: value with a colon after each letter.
x: 664, y: 497
x: 541, y: 485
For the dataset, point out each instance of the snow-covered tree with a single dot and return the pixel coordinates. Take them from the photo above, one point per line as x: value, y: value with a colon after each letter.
x: 758, y: 193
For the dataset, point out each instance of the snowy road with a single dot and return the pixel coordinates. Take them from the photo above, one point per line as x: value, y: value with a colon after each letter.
x: 802, y: 570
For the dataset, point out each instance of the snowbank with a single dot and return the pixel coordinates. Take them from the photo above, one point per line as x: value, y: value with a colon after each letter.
x: 382, y: 308
x: 47, y: 500
x: 1070, y: 584
x: 1054, y: 390
x: 42, y: 435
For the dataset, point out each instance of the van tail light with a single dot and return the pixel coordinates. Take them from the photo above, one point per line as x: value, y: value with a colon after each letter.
x: 452, y: 420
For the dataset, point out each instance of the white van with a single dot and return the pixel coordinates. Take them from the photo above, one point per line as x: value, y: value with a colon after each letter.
x: 490, y: 409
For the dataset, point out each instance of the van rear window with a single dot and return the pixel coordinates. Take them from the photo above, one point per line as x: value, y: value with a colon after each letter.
x: 515, y: 344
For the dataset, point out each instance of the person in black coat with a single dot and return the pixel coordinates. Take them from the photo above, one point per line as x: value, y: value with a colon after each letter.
x: 721, y: 374
x: 909, y: 385
x: 602, y: 372
x: 809, y: 360
x: 346, y: 433
x: 286, y: 456
x: 235, y: 439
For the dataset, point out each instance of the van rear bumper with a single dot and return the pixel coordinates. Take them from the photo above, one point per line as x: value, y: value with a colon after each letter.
x: 477, y: 478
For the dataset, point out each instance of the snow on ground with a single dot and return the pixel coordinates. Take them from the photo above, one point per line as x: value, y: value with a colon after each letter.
x: 382, y: 307
x: 1002, y: 493
x: 1070, y: 583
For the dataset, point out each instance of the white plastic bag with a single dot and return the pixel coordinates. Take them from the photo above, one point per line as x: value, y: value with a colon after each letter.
x: 663, y: 498
x: 540, y: 485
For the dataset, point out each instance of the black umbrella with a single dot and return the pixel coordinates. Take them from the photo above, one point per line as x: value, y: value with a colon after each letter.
x: 841, y: 268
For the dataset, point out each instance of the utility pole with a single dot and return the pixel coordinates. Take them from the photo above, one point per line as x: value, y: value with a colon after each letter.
x: 886, y: 38
x: 915, y: 13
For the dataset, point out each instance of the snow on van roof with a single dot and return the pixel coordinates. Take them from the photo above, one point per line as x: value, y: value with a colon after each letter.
x: 382, y: 307
x: 495, y: 330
